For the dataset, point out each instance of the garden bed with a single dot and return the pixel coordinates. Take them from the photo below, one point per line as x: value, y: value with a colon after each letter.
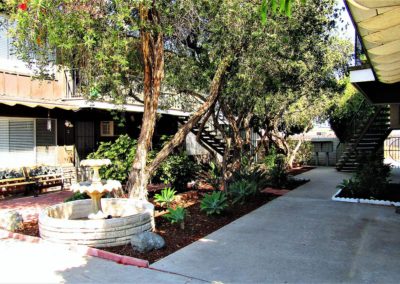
x: 197, y: 225
x: 390, y: 198
x: 300, y: 170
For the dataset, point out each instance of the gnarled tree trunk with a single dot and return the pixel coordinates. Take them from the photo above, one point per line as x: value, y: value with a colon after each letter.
x: 152, y: 47
x: 180, y: 136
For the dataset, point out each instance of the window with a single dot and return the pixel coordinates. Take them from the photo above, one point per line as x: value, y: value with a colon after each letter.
x: 106, y: 128
x: 44, y: 136
x: 26, y: 142
x: 17, y: 142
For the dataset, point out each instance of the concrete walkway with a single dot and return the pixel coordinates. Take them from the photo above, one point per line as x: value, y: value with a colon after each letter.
x: 24, y: 262
x: 302, y: 237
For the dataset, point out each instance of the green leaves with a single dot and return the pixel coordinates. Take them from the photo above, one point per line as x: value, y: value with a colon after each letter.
x: 240, y: 190
x: 166, y: 197
x: 263, y: 10
x: 214, y: 203
x: 285, y: 8
x: 176, y: 216
x: 121, y: 154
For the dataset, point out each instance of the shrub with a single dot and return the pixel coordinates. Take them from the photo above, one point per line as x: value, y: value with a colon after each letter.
x: 304, y: 154
x: 214, y: 203
x: 77, y: 196
x: 253, y: 173
x: 372, y: 176
x: 370, y: 180
x: 176, y: 216
x: 269, y: 159
x: 177, y: 170
x: 121, y: 154
x: 166, y: 197
x: 240, y: 190
x: 212, y: 175
x: 350, y: 185
x: 278, y: 176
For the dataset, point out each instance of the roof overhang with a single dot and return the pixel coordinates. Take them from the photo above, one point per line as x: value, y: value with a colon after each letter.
x: 33, y: 104
x: 77, y: 105
x: 378, y: 24
x: 379, y: 93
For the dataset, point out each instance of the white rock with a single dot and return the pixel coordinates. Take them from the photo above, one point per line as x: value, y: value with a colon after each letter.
x: 11, y: 221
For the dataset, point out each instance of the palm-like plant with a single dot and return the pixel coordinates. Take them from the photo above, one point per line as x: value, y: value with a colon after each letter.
x: 166, y: 197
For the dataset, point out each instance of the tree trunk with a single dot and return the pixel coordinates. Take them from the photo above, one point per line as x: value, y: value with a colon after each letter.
x: 180, y: 136
x: 152, y: 47
x: 293, y: 154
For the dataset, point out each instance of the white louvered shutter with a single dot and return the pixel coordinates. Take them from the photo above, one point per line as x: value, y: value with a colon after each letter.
x: 22, y: 142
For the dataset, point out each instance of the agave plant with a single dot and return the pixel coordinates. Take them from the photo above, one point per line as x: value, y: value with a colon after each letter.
x: 214, y: 203
x: 177, y: 216
x: 242, y: 189
x: 166, y: 197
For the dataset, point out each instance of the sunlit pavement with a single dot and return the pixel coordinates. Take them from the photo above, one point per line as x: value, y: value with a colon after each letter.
x: 301, y: 237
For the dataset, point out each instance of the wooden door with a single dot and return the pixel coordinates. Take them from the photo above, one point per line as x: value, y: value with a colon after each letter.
x: 84, y: 140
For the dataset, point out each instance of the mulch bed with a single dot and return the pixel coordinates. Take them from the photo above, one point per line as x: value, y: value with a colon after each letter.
x: 197, y: 225
x: 392, y: 194
x: 300, y: 170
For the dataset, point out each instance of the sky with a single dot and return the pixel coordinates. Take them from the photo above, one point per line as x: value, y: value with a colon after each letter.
x: 347, y: 26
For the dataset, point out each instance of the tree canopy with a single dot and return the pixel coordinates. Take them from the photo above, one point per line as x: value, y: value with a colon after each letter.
x: 275, y: 77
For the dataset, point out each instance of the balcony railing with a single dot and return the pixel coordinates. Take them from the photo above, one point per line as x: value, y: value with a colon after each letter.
x: 74, y: 81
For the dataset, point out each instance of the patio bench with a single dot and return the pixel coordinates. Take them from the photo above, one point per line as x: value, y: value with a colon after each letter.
x: 46, y: 176
x: 30, y: 179
x: 12, y: 180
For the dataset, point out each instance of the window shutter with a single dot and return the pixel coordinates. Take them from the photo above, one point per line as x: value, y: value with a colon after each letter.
x: 4, y: 136
x: 17, y: 144
x: 21, y: 135
x: 45, y: 137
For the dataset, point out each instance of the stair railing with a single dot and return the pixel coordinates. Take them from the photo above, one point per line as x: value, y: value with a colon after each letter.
x: 363, y: 122
x: 350, y: 131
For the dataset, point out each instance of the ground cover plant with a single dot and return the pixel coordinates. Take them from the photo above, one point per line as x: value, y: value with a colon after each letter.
x: 370, y: 181
x: 214, y: 203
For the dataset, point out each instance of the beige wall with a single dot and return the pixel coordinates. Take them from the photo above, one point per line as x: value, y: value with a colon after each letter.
x: 25, y: 86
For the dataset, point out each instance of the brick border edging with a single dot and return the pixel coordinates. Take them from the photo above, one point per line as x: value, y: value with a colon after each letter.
x: 85, y: 250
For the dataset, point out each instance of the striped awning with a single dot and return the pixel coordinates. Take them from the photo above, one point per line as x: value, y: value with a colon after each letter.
x: 33, y: 104
x: 378, y: 23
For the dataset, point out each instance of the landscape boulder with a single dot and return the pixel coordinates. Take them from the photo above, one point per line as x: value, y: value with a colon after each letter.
x: 147, y: 241
x: 11, y: 221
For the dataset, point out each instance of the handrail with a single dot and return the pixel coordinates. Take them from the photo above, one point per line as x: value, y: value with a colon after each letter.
x: 359, y: 119
x: 353, y: 145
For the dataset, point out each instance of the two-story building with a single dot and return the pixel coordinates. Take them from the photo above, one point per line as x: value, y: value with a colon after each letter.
x: 376, y: 75
x: 49, y: 122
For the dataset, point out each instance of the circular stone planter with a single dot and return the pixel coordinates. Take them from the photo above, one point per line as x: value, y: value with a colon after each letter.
x: 67, y: 222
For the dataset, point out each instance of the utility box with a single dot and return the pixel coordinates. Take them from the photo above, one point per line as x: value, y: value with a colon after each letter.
x: 324, y: 151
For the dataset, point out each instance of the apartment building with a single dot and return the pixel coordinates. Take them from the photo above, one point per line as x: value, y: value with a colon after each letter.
x: 50, y: 122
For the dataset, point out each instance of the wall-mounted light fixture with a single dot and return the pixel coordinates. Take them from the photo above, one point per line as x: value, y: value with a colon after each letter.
x: 48, y: 121
x: 68, y: 124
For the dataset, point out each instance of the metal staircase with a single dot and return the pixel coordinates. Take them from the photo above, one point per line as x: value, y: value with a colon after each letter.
x: 209, y: 137
x: 365, y: 136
